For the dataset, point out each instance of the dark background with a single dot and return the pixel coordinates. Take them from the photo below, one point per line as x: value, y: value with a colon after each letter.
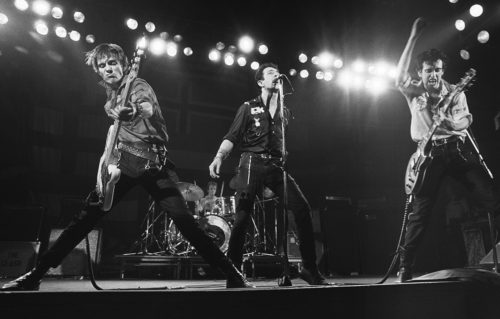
x: 341, y: 143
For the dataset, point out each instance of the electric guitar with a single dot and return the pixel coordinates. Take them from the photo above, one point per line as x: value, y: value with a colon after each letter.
x: 420, y: 160
x: 108, y: 173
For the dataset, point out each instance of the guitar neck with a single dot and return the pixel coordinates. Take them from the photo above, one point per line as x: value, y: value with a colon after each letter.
x: 111, y: 140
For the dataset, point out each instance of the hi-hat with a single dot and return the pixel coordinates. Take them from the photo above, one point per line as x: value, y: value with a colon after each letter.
x: 190, y: 192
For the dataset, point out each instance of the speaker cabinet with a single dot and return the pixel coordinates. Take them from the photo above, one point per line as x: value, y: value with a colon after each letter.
x: 17, y: 257
x: 75, y: 264
x: 339, y: 227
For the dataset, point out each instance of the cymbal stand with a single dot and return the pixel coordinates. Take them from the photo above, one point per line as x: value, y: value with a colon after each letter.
x: 148, y: 238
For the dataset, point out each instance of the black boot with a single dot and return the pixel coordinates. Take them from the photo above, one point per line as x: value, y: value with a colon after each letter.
x: 27, y: 282
x: 404, y: 274
x: 406, y: 260
x: 313, y: 277
x: 235, y: 278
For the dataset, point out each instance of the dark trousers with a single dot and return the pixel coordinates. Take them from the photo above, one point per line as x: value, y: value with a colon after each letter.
x: 163, y: 189
x: 255, y: 172
x: 459, y: 161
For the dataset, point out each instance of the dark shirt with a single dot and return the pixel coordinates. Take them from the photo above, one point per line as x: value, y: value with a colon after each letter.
x: 254, y: 130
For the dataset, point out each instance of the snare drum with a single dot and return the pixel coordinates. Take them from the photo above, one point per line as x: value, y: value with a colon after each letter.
x: 218, y: 229
x: 223, y: 206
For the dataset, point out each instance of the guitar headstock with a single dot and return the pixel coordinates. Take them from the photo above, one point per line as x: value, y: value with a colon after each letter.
x: 139, y: 54
x: 467, y: 81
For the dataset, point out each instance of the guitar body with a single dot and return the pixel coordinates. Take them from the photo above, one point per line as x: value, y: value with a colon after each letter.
x: 415, y: 172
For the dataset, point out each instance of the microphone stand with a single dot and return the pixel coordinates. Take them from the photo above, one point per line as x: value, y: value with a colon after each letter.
x: 285, y: 277
x: 490, y: 214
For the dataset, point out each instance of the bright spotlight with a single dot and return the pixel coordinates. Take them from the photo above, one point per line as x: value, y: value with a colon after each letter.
x: 304, y: 74
x: 177, y: 38
x: 214, y: 55
x: 328, y: 76
x: 220, y: 46
x: 41, y: 27
x: 164, y: 35
x: 131, y: 24
x: 476, y: 10
x: 150, y: 27
x: 345, y: 79
x: 142, y: 43
x: 464, y: 54
x: 254, y: 65
x: 393, y: 72
x: 320, y: 75
x: 359, y: 66
x: 263, y: 49
x: 292, y: 72
x: 57, y: 13
x: 61, y: 31
x: 325, y: 60
x: 232, y: 49
x: 171, y: 49
x: 229, y: 58
x: 21, y: 5
x: 90, y: 38
x: 3, y: 18
x: 242, y: 61
x: 246, y: 44
x: 483, y: 36
x: 74, y: 35
x: 381, y: 68
x: 40, y: 7
x: 79, y: 16
x: 188, y: 51
x: 315, y: 60
x: 453, y: 1
x: 460, y: 25
x: 302, y: 58
x: 376, y: 86
x: 338, y: 63
x: 157, y: 46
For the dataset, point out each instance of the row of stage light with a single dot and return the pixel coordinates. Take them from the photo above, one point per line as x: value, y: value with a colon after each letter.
x: 375, y: 77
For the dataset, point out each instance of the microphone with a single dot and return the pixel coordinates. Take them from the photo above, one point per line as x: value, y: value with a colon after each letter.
x: 280, y: 77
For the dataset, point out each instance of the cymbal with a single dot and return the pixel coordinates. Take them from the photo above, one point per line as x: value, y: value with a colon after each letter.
x: 190, y: 192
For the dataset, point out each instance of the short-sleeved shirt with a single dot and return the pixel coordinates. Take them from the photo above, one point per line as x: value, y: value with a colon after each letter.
x: 139, y: 132
x: 254, y: 130
x: 423, y: 107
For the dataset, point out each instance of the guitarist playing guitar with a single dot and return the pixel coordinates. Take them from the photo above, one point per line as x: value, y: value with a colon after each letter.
x: 440, y: 118
x: 134, y: 155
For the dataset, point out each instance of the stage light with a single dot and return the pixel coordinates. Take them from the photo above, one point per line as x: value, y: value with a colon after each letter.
x: 214, y: 55
x: 476, y: 10
x: 232, y: 49
x: 164, y: 35
x: 328, y: 76
x: 292, y: 72
x: 315, y: 60
x: 483, y: 36
x: 41, y: 27
x: 177, y: 38
x: 338, y: 63
x: 302, y: 58
x: 254, y: 65
x: 220, y: 46
x: 320, y: 75
x: 376, y: 86
x: 57, y: 13
x: 381, y: 68
x: 460, y: 25
x: 61, y: 31
x: 150, y: 27
x: 393, y: 72
x: 142, y: 43
x: 172, y: 49
x: 90, y: 38
x: 74, y: 35
x: 79, y: 16
x: 21, y: 5
x: 188, y: 51
x: 246, y: 44
x: 263, y: 49
x: 229, y: 58
x: 242, y: 61
x: 453, y: 1
x: 3, y: 18
x: 304, y: 74
x: 40, y: 7
x: 325, y: 60
x: 359, y: 66
x: 345, y: 79
x: 464, y: 54
x: 157, y: 46
x: 132, y: 24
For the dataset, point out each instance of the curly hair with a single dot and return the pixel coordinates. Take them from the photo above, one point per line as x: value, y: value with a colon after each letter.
x: 258, y: 74
x: 430, y: 56
x: 106, y: 49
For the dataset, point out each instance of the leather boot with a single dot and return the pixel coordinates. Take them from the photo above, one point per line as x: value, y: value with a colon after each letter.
x: 404, y: 274
x: 313, y: 277
x: 235, y: 278
x: 27, y: 282
x: 406, y: 260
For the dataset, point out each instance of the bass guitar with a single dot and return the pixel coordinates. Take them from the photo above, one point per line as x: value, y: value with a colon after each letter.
x: 108, y: 173
x: 420, y: 160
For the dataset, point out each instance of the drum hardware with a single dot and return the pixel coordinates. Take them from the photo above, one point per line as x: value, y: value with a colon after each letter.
x: 190, y: 192
x: 148, y: 241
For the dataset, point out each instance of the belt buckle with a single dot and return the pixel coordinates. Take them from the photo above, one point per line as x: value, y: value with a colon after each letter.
x: 440, y: 142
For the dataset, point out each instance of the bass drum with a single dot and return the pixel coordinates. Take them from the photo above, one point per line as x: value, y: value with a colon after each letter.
x: 218, y: 229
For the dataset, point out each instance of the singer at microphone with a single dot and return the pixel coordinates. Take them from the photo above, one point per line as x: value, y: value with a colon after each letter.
x: 281, y: 76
